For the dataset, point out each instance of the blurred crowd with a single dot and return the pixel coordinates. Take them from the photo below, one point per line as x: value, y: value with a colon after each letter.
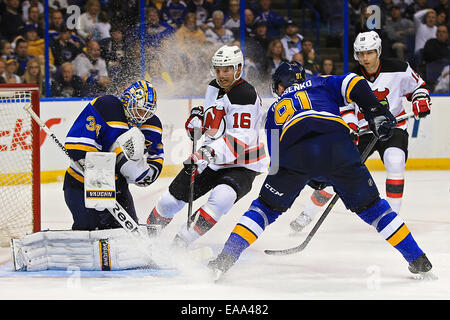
x: 100, y: 50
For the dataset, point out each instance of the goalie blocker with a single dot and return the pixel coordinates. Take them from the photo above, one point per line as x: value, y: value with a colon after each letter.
x: 99, y: 250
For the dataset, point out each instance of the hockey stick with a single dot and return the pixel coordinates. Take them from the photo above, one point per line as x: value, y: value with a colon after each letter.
x: 192, y: 181
x: 311, y: 234
x: 399, y: 118
x: 118, y: 212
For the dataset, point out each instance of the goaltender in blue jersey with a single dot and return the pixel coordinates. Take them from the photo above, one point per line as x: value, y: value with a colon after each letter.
x: 310, y: 144
x: 97, y: 129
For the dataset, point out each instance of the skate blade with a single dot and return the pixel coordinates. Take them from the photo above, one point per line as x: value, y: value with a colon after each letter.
x: 425, y: 276
x: 216, y: 275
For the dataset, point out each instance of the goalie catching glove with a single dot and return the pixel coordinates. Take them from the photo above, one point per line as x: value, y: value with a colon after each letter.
x: 199, y: 160
x: 421, y: 103
x: 194, y: 124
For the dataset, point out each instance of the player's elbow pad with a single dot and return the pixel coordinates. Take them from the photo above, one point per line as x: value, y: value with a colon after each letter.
x: 135, y: 171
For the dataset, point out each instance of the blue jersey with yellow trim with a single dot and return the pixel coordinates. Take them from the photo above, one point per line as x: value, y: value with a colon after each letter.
x: 99, y: 125
x: 316, y: 100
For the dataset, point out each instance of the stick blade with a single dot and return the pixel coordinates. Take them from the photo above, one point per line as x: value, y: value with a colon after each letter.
x: 285, y: 252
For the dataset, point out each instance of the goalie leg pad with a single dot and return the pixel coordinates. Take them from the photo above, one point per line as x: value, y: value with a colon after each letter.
x: 87, y: 250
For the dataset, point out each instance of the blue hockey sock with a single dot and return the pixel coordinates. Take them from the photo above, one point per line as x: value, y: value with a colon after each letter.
x: 249, y: 228
x: 392, y: 228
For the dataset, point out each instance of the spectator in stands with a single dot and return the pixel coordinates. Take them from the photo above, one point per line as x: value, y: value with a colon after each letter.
x: 36, y: 45
x: 174, y: 12
x: 21, y: 55
x: 33, y: 19
x: 218, y: 35
x: 189, y: 36
x: 398, y: 30
x: 113, y: 50
x: 233, y: 17
x: 63, y: 47
x: 33, y: 74
x: 88, y: 19
x: 101, y: 28
x: 249, y: 20
x: 292, y: 41
x: 425, y: 27
x: 437, y: 49
x: 6, y: 50
x: 32, y: 3
x: 66, y: 83
x: 123, y: 13
x: 327, y: 67
x: 157, y: 30
x: 203, y: 9
x: 272, y: 19
x: 91, y: 68
x: 2, y: 70
x: 56, y: 23
x: 11, y: 20
x: 10, y: 75
x: 312, y: 60
x: 261, y: 35
x: 274, y: 56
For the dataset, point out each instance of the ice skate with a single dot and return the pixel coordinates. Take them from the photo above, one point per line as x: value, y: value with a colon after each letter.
x: 300, y: 222
x: 421, y: 268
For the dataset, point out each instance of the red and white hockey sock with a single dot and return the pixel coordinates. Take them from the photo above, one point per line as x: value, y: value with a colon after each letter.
x: 318, y: 199
x: 394, y: 161
x: 394, y: 192
x: 156, y: 218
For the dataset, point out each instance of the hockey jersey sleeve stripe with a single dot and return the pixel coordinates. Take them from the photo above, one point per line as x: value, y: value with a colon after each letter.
x: 118, y: 124
x: 149, y: 127
x: 350, y: 87
x: 75, y: 175
x: 83, y: 141
x: 81, y: 147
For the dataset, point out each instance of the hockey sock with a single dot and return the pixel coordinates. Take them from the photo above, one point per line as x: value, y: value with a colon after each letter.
x: 249, y: 228
x: 220, y: 201
x: 392, y: 228
x: 394, y: 161
x: 318, y: 199
x: 165, y: 209
x: 156, y: 218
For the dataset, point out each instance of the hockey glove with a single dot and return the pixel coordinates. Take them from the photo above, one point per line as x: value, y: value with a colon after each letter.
x: 381, y: 121
x: 421, y: 103
x: 194, y: 124
x: 199, y: 160
x: 354, y: 129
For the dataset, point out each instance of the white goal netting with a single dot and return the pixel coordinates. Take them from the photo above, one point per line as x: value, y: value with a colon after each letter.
x: 19, y: 203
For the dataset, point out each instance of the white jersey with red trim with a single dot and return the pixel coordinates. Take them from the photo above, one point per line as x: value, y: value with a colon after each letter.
x: 393, y: 80
x: 241, y: 113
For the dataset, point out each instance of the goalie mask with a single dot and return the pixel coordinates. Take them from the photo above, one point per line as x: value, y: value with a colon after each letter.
x: 366, y: 41
x: 139, y: 102
x: 228, y: 56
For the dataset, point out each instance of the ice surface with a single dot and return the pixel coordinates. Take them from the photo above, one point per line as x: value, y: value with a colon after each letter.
x: 347, y: 259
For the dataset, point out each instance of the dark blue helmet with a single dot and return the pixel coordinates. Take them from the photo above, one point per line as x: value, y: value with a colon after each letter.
x: 287, y: 73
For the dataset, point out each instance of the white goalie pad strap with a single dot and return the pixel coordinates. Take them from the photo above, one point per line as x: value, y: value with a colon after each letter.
x: 99, y: 250
x: 132, y: 144
x: 99, y: 180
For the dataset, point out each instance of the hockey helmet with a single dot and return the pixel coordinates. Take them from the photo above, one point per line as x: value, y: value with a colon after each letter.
x: 139, y: 102
x: 366, y: 41
x: 228, y: 56
x: 287, y: 74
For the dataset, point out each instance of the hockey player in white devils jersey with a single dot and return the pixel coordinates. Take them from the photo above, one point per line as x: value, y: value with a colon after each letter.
x: 229, y: 158
x: 390, y: 80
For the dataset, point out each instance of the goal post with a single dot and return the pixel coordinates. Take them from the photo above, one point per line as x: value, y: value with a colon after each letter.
x: 20, y: 195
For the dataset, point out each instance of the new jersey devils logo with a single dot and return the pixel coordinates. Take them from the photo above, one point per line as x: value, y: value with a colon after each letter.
x: 214, y: 122
x: 381, y: 95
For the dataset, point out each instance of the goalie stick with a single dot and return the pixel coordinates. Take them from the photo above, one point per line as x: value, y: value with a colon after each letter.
x: 118, y: 212
x: 311, y: 234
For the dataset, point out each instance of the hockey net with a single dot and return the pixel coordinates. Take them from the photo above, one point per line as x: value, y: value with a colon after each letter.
x: 19, y: 162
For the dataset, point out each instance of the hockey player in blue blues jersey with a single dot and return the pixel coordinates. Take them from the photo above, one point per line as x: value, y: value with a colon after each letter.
x: 309, y: 143
x: 101, y: 128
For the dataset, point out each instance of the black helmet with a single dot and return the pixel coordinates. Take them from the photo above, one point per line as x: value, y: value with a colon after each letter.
x: 287, y: 73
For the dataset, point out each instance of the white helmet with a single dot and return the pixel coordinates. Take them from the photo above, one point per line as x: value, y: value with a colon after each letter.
x: 228, y: 56
x: 366, y: 41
